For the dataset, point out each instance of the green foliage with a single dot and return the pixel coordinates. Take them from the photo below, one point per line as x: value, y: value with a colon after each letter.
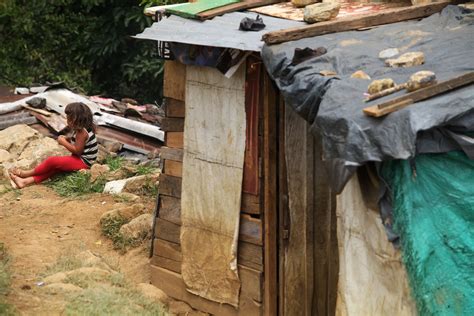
x: 111, y: 228
x: 76, y: 184
x: 114, y: 163
x: 144, y: 170
x: 85, y: 43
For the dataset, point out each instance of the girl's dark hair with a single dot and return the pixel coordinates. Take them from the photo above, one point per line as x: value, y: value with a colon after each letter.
x: 80, y: 116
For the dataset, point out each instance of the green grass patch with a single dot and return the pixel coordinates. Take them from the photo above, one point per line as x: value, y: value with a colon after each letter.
x: 149, y: 188
x: 144, y: 170
x: 111, y: 300
x: 114, y: 163
x: 110, y: 227
x: 102, y: 294
x: 5, y: 308
x: 76, y: 184
x: 65, y: 262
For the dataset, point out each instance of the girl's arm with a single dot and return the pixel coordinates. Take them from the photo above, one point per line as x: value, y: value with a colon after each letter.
x: 78, y: 147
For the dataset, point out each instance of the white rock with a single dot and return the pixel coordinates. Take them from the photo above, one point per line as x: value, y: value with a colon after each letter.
x: 115, y: 187
x: 389, y: 53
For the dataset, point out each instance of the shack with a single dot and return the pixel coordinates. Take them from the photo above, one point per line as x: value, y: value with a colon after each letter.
x: 270, y: 200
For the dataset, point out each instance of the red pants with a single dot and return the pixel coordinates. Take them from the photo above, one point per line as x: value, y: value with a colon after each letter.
x: 56, y: 164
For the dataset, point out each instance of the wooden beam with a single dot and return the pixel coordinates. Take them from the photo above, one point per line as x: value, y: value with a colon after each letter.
x: 174, y: 108
x: 174, y: 81
x: 249, y: 255
x: 166, y: 263
x: 170, y: 185
x: 173, y: 168
x: 174, y: 139
x: 354, y: 23
x: 250, y: 229
x: 419, y: 95
x: 170, y: 209
x: 270, y: 213
x: 168, y: 153
x: 167, y: 231
x: 171, y: 124
x: 167, y: 249
x: 172, y: 284
x: 247, y: 4
x: 250, y: 204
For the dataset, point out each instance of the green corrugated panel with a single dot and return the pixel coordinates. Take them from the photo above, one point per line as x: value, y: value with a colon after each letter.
x: 434, y: 215
x: 190, y: 9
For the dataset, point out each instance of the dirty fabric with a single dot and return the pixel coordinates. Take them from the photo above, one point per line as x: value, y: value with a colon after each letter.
x: 212, y: 182
x: 333, y: 105
x: 433, y: 203
x: 369, y: 264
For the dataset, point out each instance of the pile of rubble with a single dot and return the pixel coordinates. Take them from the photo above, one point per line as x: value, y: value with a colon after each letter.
x: 122, y: 125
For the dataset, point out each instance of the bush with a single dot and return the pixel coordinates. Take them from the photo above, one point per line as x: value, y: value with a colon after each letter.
x: 85, y: 43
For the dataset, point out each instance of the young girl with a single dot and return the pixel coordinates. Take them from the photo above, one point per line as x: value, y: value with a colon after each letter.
x: 82, y: 145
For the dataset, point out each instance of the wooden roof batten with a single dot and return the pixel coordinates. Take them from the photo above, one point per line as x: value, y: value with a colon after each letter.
x: 354, y: 23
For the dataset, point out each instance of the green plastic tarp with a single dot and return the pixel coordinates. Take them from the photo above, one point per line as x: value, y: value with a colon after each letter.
x: 433, y: 209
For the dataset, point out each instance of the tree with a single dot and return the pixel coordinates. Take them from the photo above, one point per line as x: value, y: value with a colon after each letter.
x: 85, y: 43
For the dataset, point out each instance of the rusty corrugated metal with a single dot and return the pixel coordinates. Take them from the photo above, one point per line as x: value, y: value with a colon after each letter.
x: 146, y: 144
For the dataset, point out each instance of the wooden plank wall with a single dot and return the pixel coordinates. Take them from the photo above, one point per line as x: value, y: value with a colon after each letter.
x: 308, y: 245
x: 166, y: 260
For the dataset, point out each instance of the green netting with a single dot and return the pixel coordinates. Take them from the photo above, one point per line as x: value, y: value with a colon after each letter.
x: 434, y: 215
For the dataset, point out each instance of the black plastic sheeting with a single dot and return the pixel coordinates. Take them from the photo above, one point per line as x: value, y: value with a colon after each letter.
x: 333, y: 105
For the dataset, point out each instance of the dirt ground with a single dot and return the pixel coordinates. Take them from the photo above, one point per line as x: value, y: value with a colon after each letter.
x: 38, y: 226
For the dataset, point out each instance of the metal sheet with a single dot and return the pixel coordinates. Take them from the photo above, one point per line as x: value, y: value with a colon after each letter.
x: 222, y: 31
x: 58, y: 99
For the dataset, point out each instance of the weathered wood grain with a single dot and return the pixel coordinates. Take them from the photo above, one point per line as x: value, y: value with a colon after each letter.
x: 170, y: 209
x: 172, y: 284
x: 174, y: 139
x: 170, y: 186
x: 168, y: 153
x: 270, y: 105
x: 174, y: 108
x: 354, y: 23
x: 174, y: 81
x: 173, y: 168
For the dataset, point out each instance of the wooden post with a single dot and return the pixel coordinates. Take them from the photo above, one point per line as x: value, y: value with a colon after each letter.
x: 270, y: 134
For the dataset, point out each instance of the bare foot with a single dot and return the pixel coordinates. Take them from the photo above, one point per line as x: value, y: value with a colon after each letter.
x: 20, y: 173
x: 21, y: 182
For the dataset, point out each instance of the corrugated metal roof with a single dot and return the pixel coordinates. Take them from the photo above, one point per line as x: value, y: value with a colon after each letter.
x: 222, y: 31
